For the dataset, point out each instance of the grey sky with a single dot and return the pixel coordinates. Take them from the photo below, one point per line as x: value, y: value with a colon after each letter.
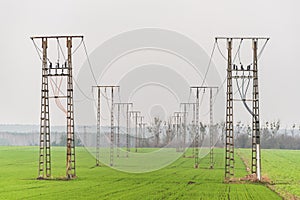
x: 100, y: 20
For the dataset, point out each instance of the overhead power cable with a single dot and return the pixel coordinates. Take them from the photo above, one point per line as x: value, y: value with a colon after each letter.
x: 89, y: 63
x: 220, y: 51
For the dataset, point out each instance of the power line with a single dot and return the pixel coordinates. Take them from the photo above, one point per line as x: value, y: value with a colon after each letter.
x: 220, y: 50
x: 81, y: 91
x: 209, y: 63
x: 238, y: 52
x: 92, y: 72
x: 77, y: 47
x: 262, y: 49
x: 89, y: 63
x: 38, y: 50
x: 222, y: 85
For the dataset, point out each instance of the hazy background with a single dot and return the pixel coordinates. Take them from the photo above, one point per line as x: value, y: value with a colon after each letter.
x: 20, y: 74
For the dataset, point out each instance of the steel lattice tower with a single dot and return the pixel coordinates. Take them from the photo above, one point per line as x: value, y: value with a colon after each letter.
x: 128, y: 128
x: 196, y: 140
x: 197, y: 129
x: 112, y: 135
x: 135, y: 115
x: 184, y: 128
x: 143, y: 126
x: 211, y: 121
x: 112, y: 127
x: 64, y: 70
x: 180, y: 118
x: 98, y: 135
x: 184, y: 125
x: 174, y: 127
x: 177, y: 121
x: 185, y: 122
x: 229, y: 157
x: 118, y: 130
x: 211, y: 127
x: 140, y: 125
x: 126, y: 105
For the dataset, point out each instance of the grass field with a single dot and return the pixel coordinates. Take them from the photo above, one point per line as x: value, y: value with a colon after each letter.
x: 282, y: 167
x: 18, y: 170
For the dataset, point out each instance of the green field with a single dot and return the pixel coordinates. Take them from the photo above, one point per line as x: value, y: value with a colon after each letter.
x: 18, y: 170
x: 282, y: 167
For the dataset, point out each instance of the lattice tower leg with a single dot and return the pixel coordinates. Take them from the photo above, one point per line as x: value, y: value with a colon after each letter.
x: 70, y: 164
x: 229, y: 143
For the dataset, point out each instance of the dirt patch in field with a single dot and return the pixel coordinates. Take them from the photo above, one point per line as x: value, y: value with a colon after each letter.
x: 249, y: 178
x: 191, y: 182
x: 189, y: 157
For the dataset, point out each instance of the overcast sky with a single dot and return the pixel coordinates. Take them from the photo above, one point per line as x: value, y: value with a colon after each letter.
x: 99, y: 20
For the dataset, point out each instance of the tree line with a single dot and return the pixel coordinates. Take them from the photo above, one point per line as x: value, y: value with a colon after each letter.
x: 273, y: 136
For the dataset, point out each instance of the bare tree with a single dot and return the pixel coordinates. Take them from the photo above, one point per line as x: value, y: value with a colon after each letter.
x: 156, y: 130
x: 169, y: 131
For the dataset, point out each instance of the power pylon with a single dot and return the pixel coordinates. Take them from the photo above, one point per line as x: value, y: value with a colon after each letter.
x: 177, y: 121
x: 140, y: 130
x: 211, y: 127
x: 143, y: 127
x: 184, y: 127
x: 128, y: 129
x: 126, y: 105
x: 253, y: 75
x: 174, y: 128
x: 98, y: 135
x: 192, y: 132
x: 112, y: 128
x: 135, y: 115
x: 59, y: 70
x: 198, y: 88
x: 180, y: 119
x: 197, y: 129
